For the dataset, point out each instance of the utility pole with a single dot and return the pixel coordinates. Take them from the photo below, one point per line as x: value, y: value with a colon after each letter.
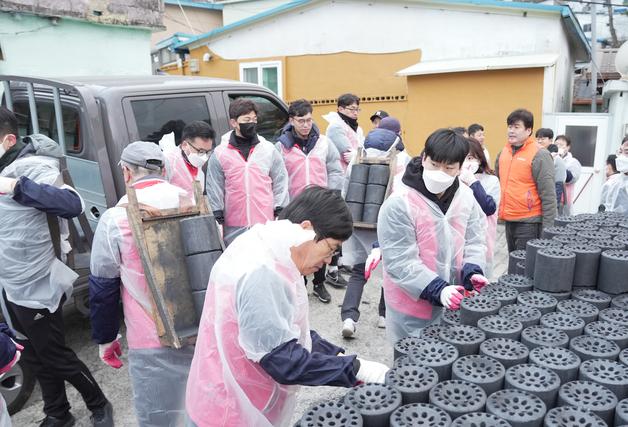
x: 593, y: 51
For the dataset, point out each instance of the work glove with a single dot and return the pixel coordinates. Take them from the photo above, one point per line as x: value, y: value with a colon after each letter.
x: 7, y: 185
x: 372, y: 261
x: 467, y: 177
x: 110, y: 353
x: 450, y: 296
x: 18, y: 353
x: 478, y: 281
x: 348, y: 156
x: 371, y: 372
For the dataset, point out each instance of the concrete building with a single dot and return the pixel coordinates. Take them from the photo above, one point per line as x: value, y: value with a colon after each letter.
x: 52, y: 38
x: 431, y: 63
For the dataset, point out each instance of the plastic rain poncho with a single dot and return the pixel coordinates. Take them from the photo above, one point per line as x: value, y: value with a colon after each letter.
x: 492, y: 188
x: 30, y: 273
x: 178, y: 172
x: 573, y: 166
x: 158, y: 373
x: 615, y: 193
x: 250, y: 309
x: 419, y: 243
x: 247, y: 191
x: 342, y: 136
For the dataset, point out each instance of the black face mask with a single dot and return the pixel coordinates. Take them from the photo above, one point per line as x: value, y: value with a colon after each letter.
x: 248, y: 130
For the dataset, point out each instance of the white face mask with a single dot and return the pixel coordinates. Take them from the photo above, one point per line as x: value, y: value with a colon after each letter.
x: 198, y: 160
x: 471, y: 165
x: 562, y: 152
x: 437, y: 181
x: 622, y: 163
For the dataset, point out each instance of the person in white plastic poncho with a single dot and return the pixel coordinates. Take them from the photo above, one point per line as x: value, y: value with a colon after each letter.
x: 254, y: 344
x: 431, y: 233
x: 615, y: 189
x: 184, y: 163
x: 158, y: 374
x: 477, y: 175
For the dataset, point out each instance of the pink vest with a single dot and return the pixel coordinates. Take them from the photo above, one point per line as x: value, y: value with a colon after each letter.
x: 248, y: 186
x: 436, y: 234
x: 306, y: 169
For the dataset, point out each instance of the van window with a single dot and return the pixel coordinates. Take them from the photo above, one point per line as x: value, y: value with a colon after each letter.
x: 160, y: 116
x: 271, y: 117
x: 48, y: 123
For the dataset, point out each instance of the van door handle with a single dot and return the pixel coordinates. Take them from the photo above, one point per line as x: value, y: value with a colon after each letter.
x: 95, y: 212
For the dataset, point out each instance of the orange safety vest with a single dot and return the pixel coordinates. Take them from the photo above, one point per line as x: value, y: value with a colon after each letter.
x: 520, y: 198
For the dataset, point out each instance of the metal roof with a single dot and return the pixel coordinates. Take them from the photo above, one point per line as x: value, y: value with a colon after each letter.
x: 189, y: 3
x: 479, y: 64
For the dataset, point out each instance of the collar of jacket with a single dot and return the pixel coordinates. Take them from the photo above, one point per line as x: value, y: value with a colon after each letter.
x: 527, y: 142
x: 289, y: 138
x: 413, y: 178
x: 352, y: 123
x: 11, y: 154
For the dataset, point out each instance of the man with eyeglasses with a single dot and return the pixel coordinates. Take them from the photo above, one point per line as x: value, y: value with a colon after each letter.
x: 184, y: 165
x: 310, y: 160
x: 247, y: 181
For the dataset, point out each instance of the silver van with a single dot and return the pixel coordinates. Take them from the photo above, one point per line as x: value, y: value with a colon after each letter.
x: 93, y: 119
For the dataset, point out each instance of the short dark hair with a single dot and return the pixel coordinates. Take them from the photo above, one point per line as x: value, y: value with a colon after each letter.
x: 623, y: 141
x: 347, y: 99
x: 460, y: 130
x: 299, y: 108
x: 474, y: 128
x: 446, y: 146
x: 552, y: 148
x: 544, y: 133
x: 240, y: 107
x: 325, y: 209
x: 475, y: 149
x: 521, y: 114
x: 198, y: 129
x: 610, y: 160
x: 8, y: 123
x: 564, y: 138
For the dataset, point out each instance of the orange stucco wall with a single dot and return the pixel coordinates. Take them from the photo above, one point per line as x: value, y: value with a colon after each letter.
x: 459, y: 99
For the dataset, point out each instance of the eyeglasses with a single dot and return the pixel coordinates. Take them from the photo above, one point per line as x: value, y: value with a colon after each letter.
x: 303, y: 122
x: 198, y: 150
x: 353, y: 109
x: 332, y: 252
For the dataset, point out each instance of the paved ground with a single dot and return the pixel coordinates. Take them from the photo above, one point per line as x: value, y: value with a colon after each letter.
x: 370, y: 343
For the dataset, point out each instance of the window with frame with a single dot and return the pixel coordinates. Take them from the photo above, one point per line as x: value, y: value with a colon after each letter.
x: 271, y: 118
x: 48, y: 123
x: 267, y: 74
x: 160, y: 116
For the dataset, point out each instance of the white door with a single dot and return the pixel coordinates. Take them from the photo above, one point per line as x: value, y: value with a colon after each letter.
x: 589, y: 144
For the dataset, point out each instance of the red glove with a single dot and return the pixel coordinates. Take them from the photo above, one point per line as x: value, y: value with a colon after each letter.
x: 372, y: 261
x: 16, y: 358
x: 478, y: 281
x: 451, y: 296
x: 110, y: 353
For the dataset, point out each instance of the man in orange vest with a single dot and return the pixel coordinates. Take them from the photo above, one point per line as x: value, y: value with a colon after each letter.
x: 526, y: 176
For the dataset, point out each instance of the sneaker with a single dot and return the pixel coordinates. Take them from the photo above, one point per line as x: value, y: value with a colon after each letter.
x: 335, y: 279
x: 103, y: 417
x: 346, y: 269
x: 348, y: 328
x: 321, y: 293
x: 381, y: 323
x: 67, y: 421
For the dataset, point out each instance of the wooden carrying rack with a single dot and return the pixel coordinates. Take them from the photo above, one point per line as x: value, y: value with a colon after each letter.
x: 391, y: 161
x: 157, y: 236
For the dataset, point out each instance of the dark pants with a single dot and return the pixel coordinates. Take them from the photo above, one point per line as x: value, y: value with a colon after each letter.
x: 52, y: 362
x: 353, y: 295
x: 518, y: 234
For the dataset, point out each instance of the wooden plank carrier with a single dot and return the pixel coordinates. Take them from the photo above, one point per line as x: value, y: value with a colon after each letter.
x: 391, y: 161
x: 157, y: 236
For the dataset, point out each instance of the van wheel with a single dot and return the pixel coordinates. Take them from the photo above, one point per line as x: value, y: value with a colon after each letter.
x: 17, y: 386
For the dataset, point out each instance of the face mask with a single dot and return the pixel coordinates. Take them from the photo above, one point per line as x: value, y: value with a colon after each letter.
x: 471, y: 165
x: 437, y: 181
x: 248, y: 130
x: 562, y: 152
x: 198, y: 160
x: 622, y: 163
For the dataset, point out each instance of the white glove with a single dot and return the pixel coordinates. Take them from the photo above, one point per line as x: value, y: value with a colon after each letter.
x: 7, y: 185
x: 371, y: 262
x: 467, y: 177
x: 451, y: 296
x: 372, y: 372
x: 348, y: 156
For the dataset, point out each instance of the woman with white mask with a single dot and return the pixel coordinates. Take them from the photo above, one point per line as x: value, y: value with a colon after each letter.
x: 477, y: 175
x: 432, y: 237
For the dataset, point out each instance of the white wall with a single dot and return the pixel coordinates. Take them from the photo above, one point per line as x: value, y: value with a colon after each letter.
x: 35, y: 47
x: 236, y: 11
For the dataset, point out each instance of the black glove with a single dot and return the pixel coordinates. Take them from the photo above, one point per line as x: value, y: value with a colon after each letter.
x: 220, y: 217
x: 277, y: 211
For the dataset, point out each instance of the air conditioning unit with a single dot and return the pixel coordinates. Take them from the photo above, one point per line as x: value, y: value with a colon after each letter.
x: 194, y: 66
